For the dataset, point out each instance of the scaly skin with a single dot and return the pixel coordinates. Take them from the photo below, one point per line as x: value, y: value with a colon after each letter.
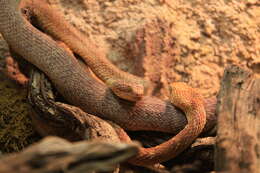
x: 191, y: 102
x: 123, y: 84
x: 181, y: 95
x: 79, y: 88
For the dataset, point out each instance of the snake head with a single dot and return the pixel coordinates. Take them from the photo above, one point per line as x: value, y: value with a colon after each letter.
x: 127, y: 90
x: 184, y: 96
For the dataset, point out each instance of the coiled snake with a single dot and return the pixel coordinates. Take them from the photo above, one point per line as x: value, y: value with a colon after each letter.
x: 74, y: 83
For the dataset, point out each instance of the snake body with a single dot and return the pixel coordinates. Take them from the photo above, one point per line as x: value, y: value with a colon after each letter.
x: 79, y: 88
x: 123, y: 84
x: 191, y: 102
x: 67, y: 117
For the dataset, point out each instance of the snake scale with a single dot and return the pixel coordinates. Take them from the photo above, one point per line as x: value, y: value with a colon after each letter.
x: 123, y: 84
x: 80, y: 89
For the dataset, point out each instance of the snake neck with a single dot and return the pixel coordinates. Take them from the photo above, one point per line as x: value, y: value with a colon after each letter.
x: 177, y: 144
x: 9, y: 15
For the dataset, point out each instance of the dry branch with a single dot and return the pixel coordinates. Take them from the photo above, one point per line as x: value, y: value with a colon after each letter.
x: 54, y: 154
x: 237, y: 145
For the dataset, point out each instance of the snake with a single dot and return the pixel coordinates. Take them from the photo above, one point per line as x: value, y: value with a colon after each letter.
x: 123, y: 84
x: 79, y: 88
x: 191, y: 102
x: 64, y: 115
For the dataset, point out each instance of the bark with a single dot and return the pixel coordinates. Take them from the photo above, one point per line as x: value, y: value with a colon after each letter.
x: 237, y: 145
x: 54, y: 154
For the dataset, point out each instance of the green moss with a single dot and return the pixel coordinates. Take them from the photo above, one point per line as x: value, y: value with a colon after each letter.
x: 16, y: 130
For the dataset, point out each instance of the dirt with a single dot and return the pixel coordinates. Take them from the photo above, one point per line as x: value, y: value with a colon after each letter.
x: 163, y: 40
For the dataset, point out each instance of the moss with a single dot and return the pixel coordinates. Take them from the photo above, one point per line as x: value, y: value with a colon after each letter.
x: 16, y: 130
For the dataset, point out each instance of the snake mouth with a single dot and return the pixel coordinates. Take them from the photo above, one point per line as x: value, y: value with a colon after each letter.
x: 135, y: 98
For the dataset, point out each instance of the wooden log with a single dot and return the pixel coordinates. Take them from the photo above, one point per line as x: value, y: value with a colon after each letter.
x: 238, y: 134
x: 53, y: 154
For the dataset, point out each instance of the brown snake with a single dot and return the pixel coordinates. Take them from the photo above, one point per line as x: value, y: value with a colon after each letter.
x: 123, y: 84
x: 67, y: 118
x: 79, y: 88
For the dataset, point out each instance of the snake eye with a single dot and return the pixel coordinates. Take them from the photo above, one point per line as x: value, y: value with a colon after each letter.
x: 126, y: 88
